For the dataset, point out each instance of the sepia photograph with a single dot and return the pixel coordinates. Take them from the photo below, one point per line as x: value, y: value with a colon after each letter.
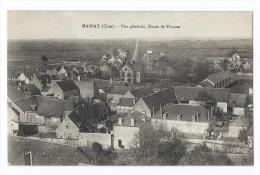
x: 130, y: 88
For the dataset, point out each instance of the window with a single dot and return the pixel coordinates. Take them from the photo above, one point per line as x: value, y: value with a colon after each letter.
x: 128, y: 74
x: 67, y: 126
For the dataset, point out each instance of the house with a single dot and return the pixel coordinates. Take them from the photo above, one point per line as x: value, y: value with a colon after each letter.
x: 126, y: 130
x: 87, y: 89
x: 69, y: 128
x: 190, y: 95
x: 237, y: 125
x: 237, y: 103
x: 127, y: 102
x: 44, y: 112
x: 188, y: 119
x: 62, y: 72
x: 40, y: 81
x: 25, y: 77
x: 152, y: 103
x: 64, y: 89
x: 131, y: 73
x: 114, y: 93
x: 219, y: 80
x: 73, y: 128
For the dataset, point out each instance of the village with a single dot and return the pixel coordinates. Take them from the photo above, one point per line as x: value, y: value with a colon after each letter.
x: 119, y: 100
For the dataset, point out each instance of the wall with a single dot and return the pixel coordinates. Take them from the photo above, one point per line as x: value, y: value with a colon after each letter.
x: 194, y: 102
x: 222, y: 105
x: 234, y: 131
x: 238, y: 111
x: 188, y: 127
x: 86, y: 139
x: 125, y: 133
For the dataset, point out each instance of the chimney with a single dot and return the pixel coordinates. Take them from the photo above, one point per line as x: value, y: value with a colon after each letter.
x: 132, y: 121
x: 120, y: 121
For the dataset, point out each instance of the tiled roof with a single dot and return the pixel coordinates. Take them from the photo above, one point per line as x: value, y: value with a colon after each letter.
x: 25, y: 104
x: 67, y: 85
x: 237, y: 100
x: 218, y: 77
x: 138, y: 117
x: 187, y: 112
x: 126, y: 102
x: 134, y: 67
x: 50, y: 107
x: 103, y: 84
x: 120, y: 90
x: 32, y: 89
x: 161, y: 98
x: 141, y: 92
x: 46, y: 106
x: 14, y: 93
x: 190, y: 93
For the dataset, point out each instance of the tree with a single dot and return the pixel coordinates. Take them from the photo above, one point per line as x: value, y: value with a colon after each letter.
x: 203, y: 155
x: 224, y: 64
x: 158, y: 146
x: 183, y: 69
x: 202, y: 69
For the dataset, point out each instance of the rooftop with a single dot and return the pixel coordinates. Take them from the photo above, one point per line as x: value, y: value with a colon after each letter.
x: 190, y: 93
x: 187, y: 111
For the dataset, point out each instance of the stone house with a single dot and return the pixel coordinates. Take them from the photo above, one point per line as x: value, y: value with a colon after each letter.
x: 126, y: 130
x: 87, y: 89
x: 188, y: 119
x: 25, y: 77
x: 64, y: 89
x: 131, y: 73
x: 189, y: 95
x: 152, y: 103
x: 127, y: 102
x: 41, y: 110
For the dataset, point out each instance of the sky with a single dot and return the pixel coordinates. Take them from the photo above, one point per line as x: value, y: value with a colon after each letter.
x: 68, y: 25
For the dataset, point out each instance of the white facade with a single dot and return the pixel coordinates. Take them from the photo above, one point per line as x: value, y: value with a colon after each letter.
x: 22, y: 77
x: 238, y: 111
x: 222, y: 106
x: 126, y: 135
x: 186, y: 127
x: 234, y: 131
